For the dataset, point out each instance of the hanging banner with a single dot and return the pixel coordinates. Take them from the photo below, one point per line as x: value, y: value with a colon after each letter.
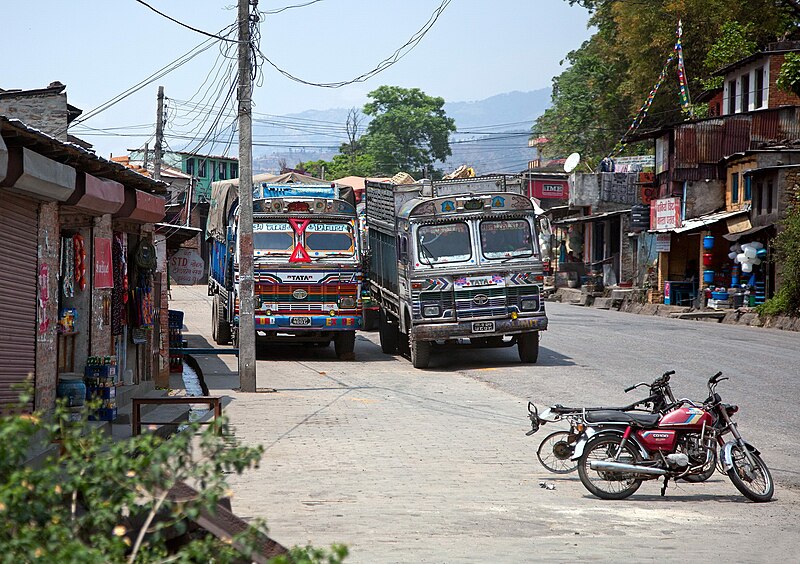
x: 103, y: 273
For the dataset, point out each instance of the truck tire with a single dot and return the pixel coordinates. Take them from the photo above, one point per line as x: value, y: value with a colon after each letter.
x: 343, y: 344
x: 420, y: 353
x: 528, y: 346
x: 220, y: 328
x: 388, y: 333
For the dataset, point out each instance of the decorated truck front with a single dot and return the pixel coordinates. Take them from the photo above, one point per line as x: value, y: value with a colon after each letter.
x: 307, y: 266
x: 456, y: 261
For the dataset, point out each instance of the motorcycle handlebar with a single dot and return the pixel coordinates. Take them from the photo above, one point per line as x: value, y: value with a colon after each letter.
x: 629, y: 388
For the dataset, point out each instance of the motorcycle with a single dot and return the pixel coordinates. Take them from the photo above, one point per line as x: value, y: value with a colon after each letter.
x: 557, y: 450
x: 674, y: 445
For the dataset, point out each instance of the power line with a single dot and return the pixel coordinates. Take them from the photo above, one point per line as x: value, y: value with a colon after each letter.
x: 180, y: 23
x: 279, y: 10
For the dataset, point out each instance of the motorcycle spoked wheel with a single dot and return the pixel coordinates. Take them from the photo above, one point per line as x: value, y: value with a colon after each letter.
x: 555, y: 451
x: 751, y: 478
x: 604, y: 484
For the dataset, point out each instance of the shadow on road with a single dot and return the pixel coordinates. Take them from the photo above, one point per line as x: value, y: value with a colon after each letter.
x: 452, y: 359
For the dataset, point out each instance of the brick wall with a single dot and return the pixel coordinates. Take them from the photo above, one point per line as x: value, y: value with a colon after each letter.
x: 46, y: 112
x: 778, y: 97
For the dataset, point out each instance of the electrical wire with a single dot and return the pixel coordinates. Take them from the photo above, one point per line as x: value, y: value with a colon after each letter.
x: 180, y: 23
x: 279, y: 10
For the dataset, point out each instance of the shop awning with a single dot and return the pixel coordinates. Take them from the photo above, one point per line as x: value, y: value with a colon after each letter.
x: 141, y: 207
x: 592, y: 217
x: 96, y: 195
x: 32, y: 174
x: 747, y: 232
x: 700, y: 222
x: 176, y: 234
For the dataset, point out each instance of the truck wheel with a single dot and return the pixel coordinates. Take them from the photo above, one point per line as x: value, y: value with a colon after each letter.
x: 388, y: 333
x: 220, y: 328
x: 420, y: 353
x: 528, y: 346
x: 344, y: 343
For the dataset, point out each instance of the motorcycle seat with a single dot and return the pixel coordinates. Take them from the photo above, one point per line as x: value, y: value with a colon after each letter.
x: 629, y: 418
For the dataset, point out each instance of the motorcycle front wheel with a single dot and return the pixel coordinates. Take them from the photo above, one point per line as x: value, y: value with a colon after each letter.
x: 602, y: 483
x: 751, y: 478
x: 555, y: 451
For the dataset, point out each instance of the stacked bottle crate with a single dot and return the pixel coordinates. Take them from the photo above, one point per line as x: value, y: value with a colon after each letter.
x: 175, y: 340
x: 100, y: 376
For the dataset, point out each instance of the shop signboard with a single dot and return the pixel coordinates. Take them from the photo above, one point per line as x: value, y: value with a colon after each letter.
x: 552, y: 189
x: 665, y: 213
x: 663, y: 242
x: 103, y: 272
x: 186, y: 267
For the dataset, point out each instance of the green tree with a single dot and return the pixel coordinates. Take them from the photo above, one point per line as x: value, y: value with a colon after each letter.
x: 610, y: 76
x: 789, y: 76
x: 733, y: 44
x: 108, y: 501
x: 409, y: 130
x: 786, y: 255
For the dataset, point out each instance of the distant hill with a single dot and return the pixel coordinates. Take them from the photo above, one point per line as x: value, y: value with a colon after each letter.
x: 493, y: 133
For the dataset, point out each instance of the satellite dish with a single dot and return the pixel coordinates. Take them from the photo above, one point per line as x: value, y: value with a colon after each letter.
x: 571, y: 162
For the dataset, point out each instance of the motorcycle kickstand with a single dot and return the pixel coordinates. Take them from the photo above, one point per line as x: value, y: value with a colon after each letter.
x: 664, y: 487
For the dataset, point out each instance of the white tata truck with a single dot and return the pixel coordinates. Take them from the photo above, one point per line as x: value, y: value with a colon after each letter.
x: 455, y: 263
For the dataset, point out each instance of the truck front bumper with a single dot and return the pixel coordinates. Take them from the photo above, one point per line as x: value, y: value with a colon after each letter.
x: 301, y: 323
x: 461, y: 329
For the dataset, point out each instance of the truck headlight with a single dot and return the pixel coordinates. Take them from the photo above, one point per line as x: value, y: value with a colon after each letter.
x: 431, y: 311
x: 529, y: 304
x: 347, y: 302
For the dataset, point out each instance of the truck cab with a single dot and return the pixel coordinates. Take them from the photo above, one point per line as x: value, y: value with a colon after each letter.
x: 467, y: 267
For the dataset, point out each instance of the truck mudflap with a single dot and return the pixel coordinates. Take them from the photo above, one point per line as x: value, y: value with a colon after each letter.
x: 307, y: 322
x: 474, y: 328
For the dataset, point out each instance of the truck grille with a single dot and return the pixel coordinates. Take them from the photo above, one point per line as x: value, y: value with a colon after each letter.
x: 318, y: 297
x: 480, y: 302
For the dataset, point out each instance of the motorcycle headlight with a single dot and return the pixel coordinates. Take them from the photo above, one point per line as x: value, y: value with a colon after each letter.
x: 431, y: 311
x: 347, y: 302
x: 529, y: 304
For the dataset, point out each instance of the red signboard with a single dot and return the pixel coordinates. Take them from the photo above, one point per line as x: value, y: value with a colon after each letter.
x: 665, y: 213
x: 544, y: 189
x: 103, y: 272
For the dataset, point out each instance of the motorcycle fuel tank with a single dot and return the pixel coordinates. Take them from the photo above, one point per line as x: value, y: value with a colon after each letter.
x: 658, y: 439
x: 686, y: 418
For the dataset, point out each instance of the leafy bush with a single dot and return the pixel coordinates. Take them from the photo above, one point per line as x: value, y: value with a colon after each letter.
x: 102, y: 500
x: 786, y: 254
x: 789, y: 76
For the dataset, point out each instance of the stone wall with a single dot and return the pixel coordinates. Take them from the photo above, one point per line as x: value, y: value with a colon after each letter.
x: 47, y: 316
x: 46, y: 112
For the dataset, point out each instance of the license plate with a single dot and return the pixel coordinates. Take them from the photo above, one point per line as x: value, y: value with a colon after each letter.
x: 483, y: 326
x: 300, y: 321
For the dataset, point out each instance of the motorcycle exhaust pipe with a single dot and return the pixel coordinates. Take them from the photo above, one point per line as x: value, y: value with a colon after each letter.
x: 620, y: 467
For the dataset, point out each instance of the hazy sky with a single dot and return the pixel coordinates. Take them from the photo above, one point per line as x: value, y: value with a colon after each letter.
x: 101, y: 48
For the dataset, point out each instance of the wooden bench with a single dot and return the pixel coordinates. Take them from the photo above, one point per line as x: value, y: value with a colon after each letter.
x: 213, y: 402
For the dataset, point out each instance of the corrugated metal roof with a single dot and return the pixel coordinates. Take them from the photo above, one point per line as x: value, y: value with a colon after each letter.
x: 592, y: 217
x: 698, y: 222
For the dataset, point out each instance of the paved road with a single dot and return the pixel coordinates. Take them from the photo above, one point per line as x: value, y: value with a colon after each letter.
x: 433, y: 466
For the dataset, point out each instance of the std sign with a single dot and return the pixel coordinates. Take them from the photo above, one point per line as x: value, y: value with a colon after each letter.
x: 186, y: 267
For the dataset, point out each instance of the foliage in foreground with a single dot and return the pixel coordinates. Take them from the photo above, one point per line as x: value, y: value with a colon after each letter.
x: 786, y: 254
x: 107, y: 501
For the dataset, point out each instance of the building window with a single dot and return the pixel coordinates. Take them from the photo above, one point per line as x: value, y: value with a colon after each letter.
x: 747, y: 188
x: 223, y: 171
x: 735, y: 188
x: 213, y: 170
x: 732, y: 97
x: 201, y: 172
x: 234, y: 170
x: 760, y: 87
x: 189, y: 167
x: 746, y: 92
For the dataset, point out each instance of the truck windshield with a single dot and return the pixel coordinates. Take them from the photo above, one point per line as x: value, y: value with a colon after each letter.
x: 330, y: 239
x: 447, y: 242
x: 271, y: 238
x: 506, y: 238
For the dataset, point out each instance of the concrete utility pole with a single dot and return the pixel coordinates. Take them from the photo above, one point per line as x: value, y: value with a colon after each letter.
x: 247, y: 328
x: 159, y: 135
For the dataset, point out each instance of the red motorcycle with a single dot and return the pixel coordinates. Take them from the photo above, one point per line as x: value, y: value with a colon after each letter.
x: 675, y: 445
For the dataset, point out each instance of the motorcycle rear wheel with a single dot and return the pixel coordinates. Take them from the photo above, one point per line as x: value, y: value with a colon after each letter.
x: 755, y: 482
x: 555, y: 452
x: 604, y: 484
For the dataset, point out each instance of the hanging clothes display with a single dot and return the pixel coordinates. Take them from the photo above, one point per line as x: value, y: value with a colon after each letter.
x: 80, y: 261
x: 143, y: 300
x: 67, y: 267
